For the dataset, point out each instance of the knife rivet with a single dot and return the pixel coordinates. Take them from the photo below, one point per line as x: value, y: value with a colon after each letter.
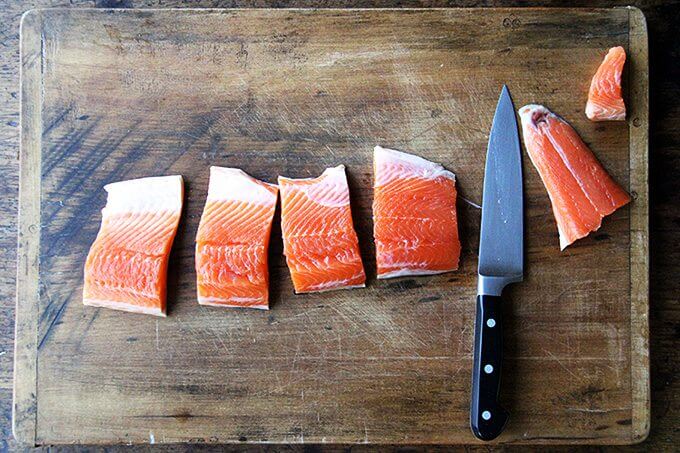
x: 491, y: 322
x: 488, y: 369
x: 486, y: 415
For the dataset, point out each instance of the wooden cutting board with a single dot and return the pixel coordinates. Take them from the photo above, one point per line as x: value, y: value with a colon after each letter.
x: 117, y: 94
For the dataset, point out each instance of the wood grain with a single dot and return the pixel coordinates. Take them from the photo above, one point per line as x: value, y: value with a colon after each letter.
x: 166, y: 92
x: 638, y: 96
x: 24, y: 409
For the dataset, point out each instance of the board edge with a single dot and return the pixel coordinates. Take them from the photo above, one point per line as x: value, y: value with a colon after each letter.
x: 24, y: 407
x: 639, y: 224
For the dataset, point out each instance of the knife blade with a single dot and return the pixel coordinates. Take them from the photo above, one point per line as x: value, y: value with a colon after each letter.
x: 501, y: 262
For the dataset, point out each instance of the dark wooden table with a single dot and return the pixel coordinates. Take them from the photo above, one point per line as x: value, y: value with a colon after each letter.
x: 664, y: 161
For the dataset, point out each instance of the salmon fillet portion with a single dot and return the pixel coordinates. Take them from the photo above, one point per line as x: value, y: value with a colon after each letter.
x: 319, y: 241
x: 414, y: 215
x: 126, y: 268
x: 233, y: 240
x: 605, y: 102
x: 581, y: 191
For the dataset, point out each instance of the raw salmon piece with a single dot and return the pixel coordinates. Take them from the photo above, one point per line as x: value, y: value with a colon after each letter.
x: 414, y: 215
x: 233, y: 240
x: 319, y: 241
x: 581, y: 192
x: 604, y: 97
x: 126, y: 268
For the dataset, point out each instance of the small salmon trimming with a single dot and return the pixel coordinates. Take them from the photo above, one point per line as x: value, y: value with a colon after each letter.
x: 605, y: 101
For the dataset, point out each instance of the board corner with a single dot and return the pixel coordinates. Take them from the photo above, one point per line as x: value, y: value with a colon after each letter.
x: 23, y: 434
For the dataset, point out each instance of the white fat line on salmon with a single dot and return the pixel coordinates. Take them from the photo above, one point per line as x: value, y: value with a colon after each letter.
x: 115, y: 305
x: 218, y: 302
x: 332, y: 286
x: 233, y: 184
x: 330, y: 189
x: 154, y: 194
x: 410, y: 164
x: 408, y: 270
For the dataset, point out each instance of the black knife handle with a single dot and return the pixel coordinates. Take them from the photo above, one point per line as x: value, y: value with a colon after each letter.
x: 487, y: 417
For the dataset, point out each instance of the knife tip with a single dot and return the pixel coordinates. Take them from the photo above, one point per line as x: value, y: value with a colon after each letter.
x: 505, y: 98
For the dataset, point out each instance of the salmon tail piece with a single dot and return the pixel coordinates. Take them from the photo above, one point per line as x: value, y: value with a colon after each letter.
x: 126, y: 268
x: 414, y: 215
x: 605, y: 102
x: 581, y: 191
x: 319, y: 241
x: 233, y: 240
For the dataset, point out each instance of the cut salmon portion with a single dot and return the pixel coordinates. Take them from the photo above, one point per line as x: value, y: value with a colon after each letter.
x: 319, y: 241
x: 581, y: 191
x: 126, y: 268
x: 604, y: 97
x: 233, y: 240
x: 414, y: 215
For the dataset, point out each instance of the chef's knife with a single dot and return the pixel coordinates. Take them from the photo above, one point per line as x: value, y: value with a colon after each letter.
x: 501, y: 261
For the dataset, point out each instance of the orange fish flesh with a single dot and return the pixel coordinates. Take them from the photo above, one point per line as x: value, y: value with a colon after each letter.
x: 233, y: 240
x: 414, y: 215
x: 320, y: 244
x: 581, y: 191
x: 604, y: 97
x: 126, y: 268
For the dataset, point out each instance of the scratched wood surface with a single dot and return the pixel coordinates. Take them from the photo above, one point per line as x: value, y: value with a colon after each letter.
x: 111, y: 95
